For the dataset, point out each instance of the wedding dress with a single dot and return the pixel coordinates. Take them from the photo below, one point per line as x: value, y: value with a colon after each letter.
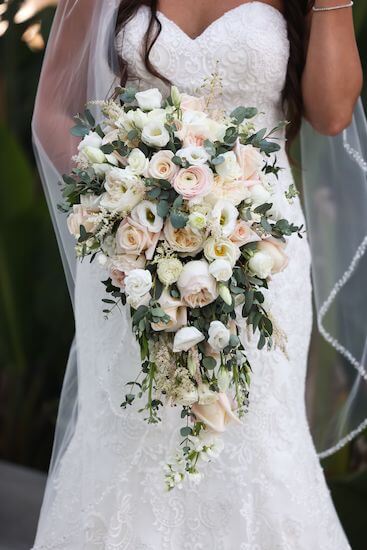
x: 267, y: 490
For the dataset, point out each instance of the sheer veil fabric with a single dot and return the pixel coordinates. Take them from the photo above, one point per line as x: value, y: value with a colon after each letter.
x: 79, y: 66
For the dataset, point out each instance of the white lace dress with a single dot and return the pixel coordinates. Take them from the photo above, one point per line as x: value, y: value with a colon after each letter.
x: 267, y: 491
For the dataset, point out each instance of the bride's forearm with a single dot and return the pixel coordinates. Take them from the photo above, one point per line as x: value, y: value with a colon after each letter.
x: 332, y: 78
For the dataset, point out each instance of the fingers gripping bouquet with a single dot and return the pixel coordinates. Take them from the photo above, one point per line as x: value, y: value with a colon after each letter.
x: 176, y: 202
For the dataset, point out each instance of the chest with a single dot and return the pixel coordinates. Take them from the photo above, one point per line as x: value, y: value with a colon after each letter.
x: 248, y: 46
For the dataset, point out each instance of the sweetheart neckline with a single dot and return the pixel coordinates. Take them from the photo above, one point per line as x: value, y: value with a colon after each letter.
x: 219, y: 19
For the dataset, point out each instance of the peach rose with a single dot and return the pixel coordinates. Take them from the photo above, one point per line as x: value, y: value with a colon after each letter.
x: 134, y: 238
x: 81, y: 216
x: 249, y: 159
x: 243, y: 234
x: 275, y: 249
x: 175, y: 309
x: 216, y: 415
x: 192, y: 103
x: 193, y: 182
x: 234, y: 191
x: 197, y: 287
x: 183, y: 240
x: 161, y: 166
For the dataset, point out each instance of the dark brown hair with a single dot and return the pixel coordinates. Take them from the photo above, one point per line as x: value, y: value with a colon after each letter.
x: 295, y: 12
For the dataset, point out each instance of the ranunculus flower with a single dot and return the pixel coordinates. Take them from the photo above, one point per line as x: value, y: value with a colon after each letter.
x: 175, y: 309
x: 216, y: 415
x: 221, y: 270
x: 169, y: 270
x: 197, y: 287
x: 193, y: 182
x: 229, y: 169
x: 146, y: 214
x: 243, y: 234
x: 183, y: 240
x: 250, y: 160
x: 81, y: 216
x: 221, y: 248
x: 149, y: 99
x: 162, y: 167
x: 224, y: 216
x: 219, y: 336
x: 186, y: 338
x: 261, y: 264
x: 155, y: 134
x: 137, y: 301
x: 235, y: 191
x: 138, y: 162
x: 193, y: 154
x: 138, y: 283
x: 134, y: 238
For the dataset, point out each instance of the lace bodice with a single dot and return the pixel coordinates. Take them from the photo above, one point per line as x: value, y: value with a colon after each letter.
x: 267, y: 490
x: 248, y: 46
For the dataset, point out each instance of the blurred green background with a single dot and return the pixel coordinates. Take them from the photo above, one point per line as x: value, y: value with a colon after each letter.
x: 36, y: 324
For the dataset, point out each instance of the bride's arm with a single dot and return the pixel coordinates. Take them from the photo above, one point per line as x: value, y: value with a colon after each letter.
x: 332, y: 79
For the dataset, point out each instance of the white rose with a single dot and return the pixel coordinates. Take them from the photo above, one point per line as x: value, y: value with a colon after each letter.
x: 259, y: 195
x: 197, y: 287
x: 224, y: 215
x: 194, y: 155
x: 155, y: 134
x: 162, y: 167
x: 138, y: 283
x: 149, y: 99
x: 137, y: 301
x: 221, y: 248
x: 93, y: 155
x: 219, y: 336
x: 197, y: 220
x: 229, y: 168
x: 261, y: 264
x: 138, y: 162
x: 186, y: 338
x: 146, y: 214
x: 91, y: 140
x: 119, y: 180
x: 221, y: 270
x: 169, y: 270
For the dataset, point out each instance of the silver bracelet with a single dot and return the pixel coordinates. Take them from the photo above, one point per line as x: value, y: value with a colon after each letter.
x: 332, y: 8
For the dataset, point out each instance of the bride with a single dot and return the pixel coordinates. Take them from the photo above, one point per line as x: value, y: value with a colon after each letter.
x: 267, y: 491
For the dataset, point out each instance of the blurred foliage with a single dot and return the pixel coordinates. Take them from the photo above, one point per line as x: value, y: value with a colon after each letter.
x: 34, y: 301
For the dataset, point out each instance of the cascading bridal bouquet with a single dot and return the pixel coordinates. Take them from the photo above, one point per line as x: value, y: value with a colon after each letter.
x: 177, y: 202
